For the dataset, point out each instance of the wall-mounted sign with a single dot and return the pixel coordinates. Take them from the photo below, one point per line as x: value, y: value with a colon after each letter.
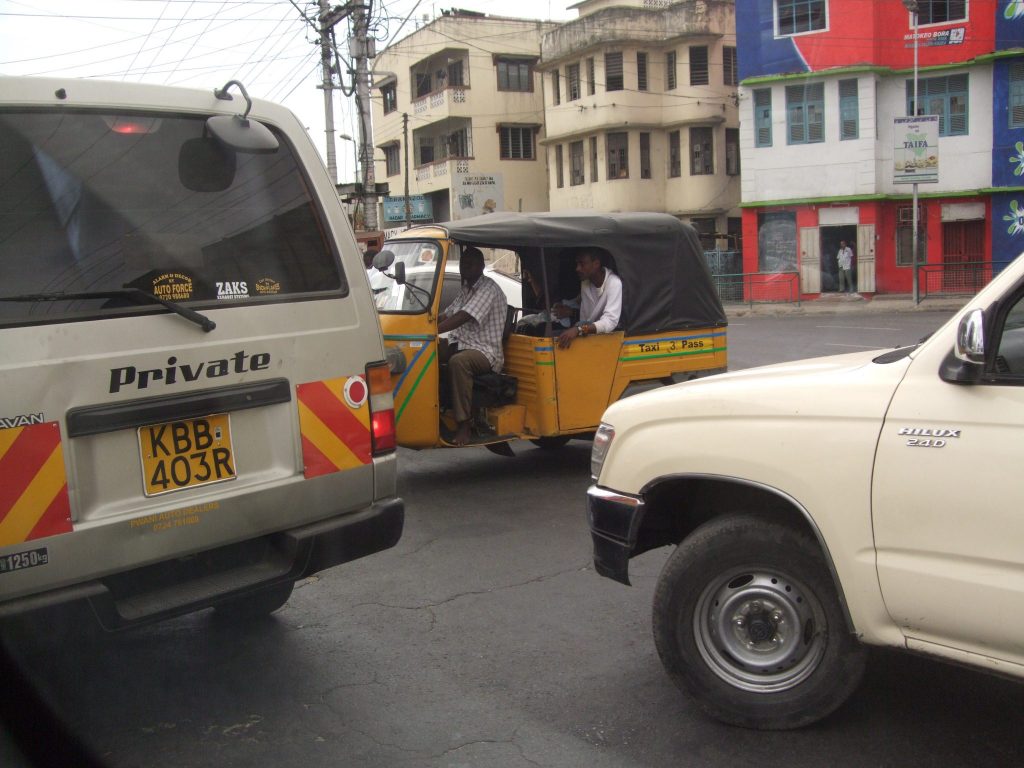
x: 477, y: 193
x: 915, y: 150
x: 419, y: 206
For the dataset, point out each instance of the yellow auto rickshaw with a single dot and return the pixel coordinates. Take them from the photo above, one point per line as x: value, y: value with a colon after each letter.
x: 672, y: 329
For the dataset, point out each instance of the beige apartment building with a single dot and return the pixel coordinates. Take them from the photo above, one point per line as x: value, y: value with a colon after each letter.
x: 462, y: 95
x: 641, y: 112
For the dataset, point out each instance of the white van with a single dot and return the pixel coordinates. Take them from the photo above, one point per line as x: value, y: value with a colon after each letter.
x: 194, y: 405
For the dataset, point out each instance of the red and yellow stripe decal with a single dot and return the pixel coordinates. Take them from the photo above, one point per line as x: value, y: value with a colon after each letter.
x: 334, y: 419
x: 33, y: 486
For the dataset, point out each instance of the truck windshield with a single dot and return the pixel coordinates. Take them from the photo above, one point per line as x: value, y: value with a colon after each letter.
x: 422, y: 260
x: 93, y: 203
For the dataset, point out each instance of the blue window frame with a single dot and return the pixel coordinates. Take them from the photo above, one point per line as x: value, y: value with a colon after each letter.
x: 763, y: 117
x: 794, y: 17
x: 849, y: 110
x: 805, y: 113
x: 1016, y: 109
x: 945, y: 97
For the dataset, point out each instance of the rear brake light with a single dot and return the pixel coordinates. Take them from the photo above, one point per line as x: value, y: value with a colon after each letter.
x: 382, y: 408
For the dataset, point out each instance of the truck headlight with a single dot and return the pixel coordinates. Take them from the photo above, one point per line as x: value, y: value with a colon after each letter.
x: 602, y: 442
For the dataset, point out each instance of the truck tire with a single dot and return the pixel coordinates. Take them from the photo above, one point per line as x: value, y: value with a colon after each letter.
x: 747, y: 620
x: 254, y: 605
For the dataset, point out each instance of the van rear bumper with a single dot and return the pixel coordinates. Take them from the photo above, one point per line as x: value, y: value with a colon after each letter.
x: 174, y: 587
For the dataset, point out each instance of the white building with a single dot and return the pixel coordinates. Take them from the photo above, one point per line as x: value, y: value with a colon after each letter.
x: 462, y: 96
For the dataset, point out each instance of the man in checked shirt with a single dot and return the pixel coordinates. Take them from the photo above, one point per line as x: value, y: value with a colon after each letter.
x: 476, y: 320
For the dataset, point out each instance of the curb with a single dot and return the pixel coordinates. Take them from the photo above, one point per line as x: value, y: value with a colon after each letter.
x: 851, y: 304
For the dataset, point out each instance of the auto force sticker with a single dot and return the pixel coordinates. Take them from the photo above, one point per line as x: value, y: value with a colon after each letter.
x: 173, y: 286
x: 33, y: 486
x: 334, y: 419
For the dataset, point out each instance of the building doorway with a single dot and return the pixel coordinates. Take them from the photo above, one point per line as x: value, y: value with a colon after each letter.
x: 831, y: 237
x: 963, y: 256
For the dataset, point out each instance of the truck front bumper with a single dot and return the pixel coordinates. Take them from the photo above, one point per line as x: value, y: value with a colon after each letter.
x: 614, y: 522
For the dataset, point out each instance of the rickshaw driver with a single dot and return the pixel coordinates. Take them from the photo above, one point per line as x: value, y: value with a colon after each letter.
x: 600, y: 299
x: 476, y: 319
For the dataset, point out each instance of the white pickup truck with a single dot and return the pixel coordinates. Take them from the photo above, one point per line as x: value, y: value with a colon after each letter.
x: 822, y: 506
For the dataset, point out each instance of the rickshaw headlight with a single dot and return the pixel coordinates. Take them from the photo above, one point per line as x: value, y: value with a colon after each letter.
x: 602, y: 442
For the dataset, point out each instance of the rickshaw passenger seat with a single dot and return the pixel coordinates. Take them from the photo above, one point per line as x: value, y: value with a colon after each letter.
x: 494, y: 389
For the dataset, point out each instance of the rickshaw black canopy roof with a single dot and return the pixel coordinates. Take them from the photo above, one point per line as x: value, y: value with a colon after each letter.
x: 666, y: 284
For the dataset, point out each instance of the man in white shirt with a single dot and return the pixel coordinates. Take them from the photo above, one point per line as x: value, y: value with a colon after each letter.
x: 844, y: 260
x: 476, y: 320
x: 600, y: 299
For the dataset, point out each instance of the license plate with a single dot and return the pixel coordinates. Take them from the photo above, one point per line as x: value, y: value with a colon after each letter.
x: 186, y: 454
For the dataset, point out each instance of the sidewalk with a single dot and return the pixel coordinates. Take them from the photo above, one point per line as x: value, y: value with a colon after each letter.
x: 850, y: 303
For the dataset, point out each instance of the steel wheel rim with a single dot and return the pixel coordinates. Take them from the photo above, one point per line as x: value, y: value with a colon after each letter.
x: 760, y: 630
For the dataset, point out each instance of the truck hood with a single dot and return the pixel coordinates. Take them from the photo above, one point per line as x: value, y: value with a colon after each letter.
x: 857, y: 385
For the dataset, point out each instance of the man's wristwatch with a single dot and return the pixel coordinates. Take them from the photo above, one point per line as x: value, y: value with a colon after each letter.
x: 581, y: 329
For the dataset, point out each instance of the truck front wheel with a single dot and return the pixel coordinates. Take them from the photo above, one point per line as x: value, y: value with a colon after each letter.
x: 747, y: 621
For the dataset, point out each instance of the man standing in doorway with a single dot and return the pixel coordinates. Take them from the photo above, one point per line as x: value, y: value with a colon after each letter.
x: 845, y: 261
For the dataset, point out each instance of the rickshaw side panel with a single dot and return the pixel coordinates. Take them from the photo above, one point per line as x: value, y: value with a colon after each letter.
x: 584, y: 373
x: 532, y: 361
x: 696, y: 352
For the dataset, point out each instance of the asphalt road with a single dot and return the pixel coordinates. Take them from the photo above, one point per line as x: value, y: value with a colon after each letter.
x: 486, y: 639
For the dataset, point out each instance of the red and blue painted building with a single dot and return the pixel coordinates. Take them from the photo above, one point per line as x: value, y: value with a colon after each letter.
x: 821, y: 82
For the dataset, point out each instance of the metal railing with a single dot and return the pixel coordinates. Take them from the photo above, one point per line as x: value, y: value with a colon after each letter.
x: 759, y: 288
x: 957, y: 279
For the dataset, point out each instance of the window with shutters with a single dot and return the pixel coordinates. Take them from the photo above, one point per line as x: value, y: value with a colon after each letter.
x: 645, y: 155
x: 675, y: 163
x: 559, y: 170
x: 905, y: 235
x: 556, y: 88
x: 458, y: 144
x: 1016, y: 107
x: 699, y: 65
x: 591, y: 78
x: 516, y: 142
x: 576, y: 163
x: 572, y: 82
x: 670, y: 71
x: 701, y: 151
x: 849, y: 110
x: 732, y: 151
x: 392, y: 160
x: 617, y: 145
x: 425, y: 149
x: 613, y: 72
x: 641, y: 71
x: 945, y: 97
x: 941, y: 11
x: 805, y: 113
x: 514, y: 75
x: 794, y: 17
x: 763, y: 117
x: 389, y: 98
x: 594, y: 162
x: 729, y: 75
x: 456, y: 76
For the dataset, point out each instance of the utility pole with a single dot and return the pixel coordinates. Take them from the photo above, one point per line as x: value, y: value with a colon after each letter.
x: 361, y: 47
x: 328, y: 88
x: 405, y: 143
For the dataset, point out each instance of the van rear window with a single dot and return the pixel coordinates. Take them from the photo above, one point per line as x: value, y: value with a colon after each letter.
x: 93, y: 203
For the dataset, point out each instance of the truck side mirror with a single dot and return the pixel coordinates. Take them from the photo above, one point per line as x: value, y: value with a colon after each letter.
x: 970, y: 338
x: 966, y: 363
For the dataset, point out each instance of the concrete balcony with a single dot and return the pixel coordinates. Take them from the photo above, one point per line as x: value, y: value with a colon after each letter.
x: 637, y: 26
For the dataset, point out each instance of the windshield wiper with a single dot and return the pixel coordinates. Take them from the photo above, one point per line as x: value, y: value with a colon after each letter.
x: 137, y: 294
